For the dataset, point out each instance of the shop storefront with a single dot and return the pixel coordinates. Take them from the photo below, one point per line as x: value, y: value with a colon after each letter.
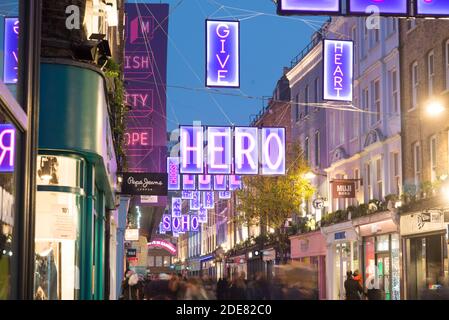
x: 309, y: 250
x: 425, y: 251
x: 208, y: 266
x: 235, y: 265
x: 76, y: 181
x: 380, y: 255
x: 342, y: 256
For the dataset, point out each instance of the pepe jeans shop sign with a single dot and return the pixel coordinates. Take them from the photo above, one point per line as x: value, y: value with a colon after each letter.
x: 343, y: 189
x: 150, y: 184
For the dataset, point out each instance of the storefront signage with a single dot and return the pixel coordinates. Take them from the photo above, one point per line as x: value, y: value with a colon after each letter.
x: 432, y: 8
x: 343, y: 189
x: 289, y: 7
x: 132, y: 234
x: 131, y: 253
x: 222, y: 53
x: 318, y: 203
x: 158, y: 243
x: 250, y: 145
x: 174, y: 180
x: 340, y: 235
x: 383, y: 7
x: 338, y: 70
x: 7, y: 147
x: 195, y: 203
x: 208, y: 200
x: 188, y: 195
x: 176, y: 207
x: 152, y: 184
x: 11, y: 50
x: 224, y: 195
x: 219, y: 150
x: 422, y: 222
x: 189, y: 182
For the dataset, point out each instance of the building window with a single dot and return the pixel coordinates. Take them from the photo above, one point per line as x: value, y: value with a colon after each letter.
x: 376, y: 103
x: 297, y: 108
x: 379, y: 179
x: 317, y: 149
x: 317, y: 91
x: 433, y: 158
x: 151, y: 261
x: 430, y: 72
x: 396, y: 175
x: 368, y: 181
x: 357, y: 177
x: 417, y: 163
x: 354, y: 38
x: 355, y: 122
x: 306, y: 100
x: 394, y: 90
x: 306, y: 149
x: 414, y: 78
x: 365, y: 97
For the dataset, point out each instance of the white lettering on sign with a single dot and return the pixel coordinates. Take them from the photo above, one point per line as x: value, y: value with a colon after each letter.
x: 222, y: 32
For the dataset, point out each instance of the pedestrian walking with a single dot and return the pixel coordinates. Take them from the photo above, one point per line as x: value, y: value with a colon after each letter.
x: 130, y: 287
x: 353, y: 288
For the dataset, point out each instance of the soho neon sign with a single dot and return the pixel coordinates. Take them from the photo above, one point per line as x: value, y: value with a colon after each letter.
x: 338, y: 70
x: 256, y: 150
x: 222, y: 53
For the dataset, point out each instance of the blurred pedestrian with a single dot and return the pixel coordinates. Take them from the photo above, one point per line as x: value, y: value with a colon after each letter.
x: 195, y: 290
x: 237, y: 290
x: 222, y: 289
x: 130, y: 287
x: 353, y: 289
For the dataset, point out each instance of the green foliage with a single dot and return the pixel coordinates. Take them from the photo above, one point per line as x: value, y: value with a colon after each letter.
x: 269, y: 201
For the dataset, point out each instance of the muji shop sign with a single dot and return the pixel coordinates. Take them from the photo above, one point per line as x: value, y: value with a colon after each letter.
x: 338, y: 70
x: 254, y: 150
x: 222, y: 53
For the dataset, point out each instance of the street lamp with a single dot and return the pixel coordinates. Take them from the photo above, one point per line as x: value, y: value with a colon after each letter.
x: 310, y: 175
x: 434, y: 108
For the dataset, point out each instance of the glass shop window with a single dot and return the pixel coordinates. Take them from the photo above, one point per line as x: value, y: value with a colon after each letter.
x: 383, y: 243
x: 9, y: 147
x: 59, y: 171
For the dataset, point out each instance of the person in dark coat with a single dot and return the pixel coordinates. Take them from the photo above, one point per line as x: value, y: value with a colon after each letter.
x: 353, y: 288
x: 222, y: 289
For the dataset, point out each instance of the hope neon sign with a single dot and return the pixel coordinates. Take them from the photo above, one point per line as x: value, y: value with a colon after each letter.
x: 222, y: 53
x: 7, y: 147
x: 338, y: 70
x: 253, y: 148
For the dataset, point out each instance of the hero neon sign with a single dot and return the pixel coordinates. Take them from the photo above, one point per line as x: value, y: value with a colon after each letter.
x: 219, y: 146
x: 338, y: 70
x: 222, y: 53
x: 7, y: 147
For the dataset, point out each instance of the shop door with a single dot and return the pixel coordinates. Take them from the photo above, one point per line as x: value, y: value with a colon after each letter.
x: 383, y: 272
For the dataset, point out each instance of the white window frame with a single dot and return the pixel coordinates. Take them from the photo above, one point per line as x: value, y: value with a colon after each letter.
x: 317, y: 91
x: 317, y: 149
x: 379, y: 178
x: 368, y: 170
x: 394, y: 96
x: 306, y: 100
x: 417, y: 163
x: 297, y: 116
x: 356, y: 177
x: 430, y: 73
x: 415, y: 83
x: 396, y: 172
x: 433, y: 158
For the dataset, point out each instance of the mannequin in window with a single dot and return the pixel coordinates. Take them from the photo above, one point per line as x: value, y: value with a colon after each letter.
x: 46, y: 273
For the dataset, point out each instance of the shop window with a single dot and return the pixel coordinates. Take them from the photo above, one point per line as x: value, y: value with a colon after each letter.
x: 158, y: 262
x: 383, y: 243
x: 151, y: 261
x: 59, y: 171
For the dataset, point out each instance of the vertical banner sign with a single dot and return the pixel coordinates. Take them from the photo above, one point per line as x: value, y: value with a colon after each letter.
x: 220, y: 183
x: 202, y: 215
x: 194, y: 224
x: 246, y: 145
x: 11, y: 50
x: 174, y: 180
x: 290, y: 7
x: 273, y: 151
x: 235, y: 182
x: 222, y: 53
x: 219, y: 150
x: 185, y: 223
x: 225, y: 195
x: 191, y: 149
x: 195, y: 203
x: 161, y: 229
x: 384, y: 7
x: 188, y: 182
x: 176, y: 225
x: 7, y: 147
x: 338, y: 70
x: 204, y: 182
x: 208, y: 200
x: 166, y: 222
x: 188, y: 195
x: 432, y: 7
x: 145, y: 72
x: 176, y: 207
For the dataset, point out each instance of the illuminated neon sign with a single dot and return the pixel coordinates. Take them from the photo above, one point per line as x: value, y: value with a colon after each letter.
x: 385, y: 7
x: 202, y: 215
x: 289, y: 7
x: 191, y: 147
x: 246, y: 144
x: 219, y: 150
x: 338, y: 70
x: 432, y: 8
x: 222, y: 53
x: 225, y: 195
x: 188, y: 182
x: 176, y: 205
x: 195, y: 203
x: 174, y: 181
x: 7, y: 147
x: 208, y: 200
x: 11, y: 51
x: 176, y: 224
x: 194, y: 224
x: 166, y: 222
x: 159, y: 243
x: 188, y: 195
x: 235, y: 182
x: 204, y: 182
x: 185, y: 223
x: 220, y: 183
x: 273, y: 159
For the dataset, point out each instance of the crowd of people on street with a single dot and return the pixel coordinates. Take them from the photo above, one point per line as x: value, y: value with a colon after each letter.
x: 179, y: 287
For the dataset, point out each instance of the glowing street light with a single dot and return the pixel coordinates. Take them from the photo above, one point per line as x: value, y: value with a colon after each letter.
x: 310, y: 175
x: 434, y: 108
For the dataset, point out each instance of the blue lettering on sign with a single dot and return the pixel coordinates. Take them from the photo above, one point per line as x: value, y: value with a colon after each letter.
x: 11, y: 47
x: 340, y: 235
